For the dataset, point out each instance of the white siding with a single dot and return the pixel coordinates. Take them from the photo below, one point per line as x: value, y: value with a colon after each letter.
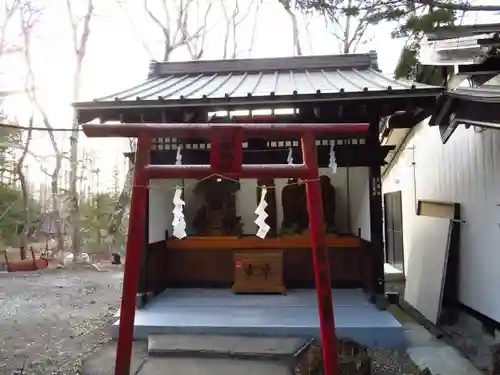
x: 464, y: 170
x: 161, y: 194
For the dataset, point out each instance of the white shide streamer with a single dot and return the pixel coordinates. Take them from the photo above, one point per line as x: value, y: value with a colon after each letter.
x: 333, y: 160
x: 289, y: 159
x: 262, y: 215
x: 178, y: 156
x: 178, y: 223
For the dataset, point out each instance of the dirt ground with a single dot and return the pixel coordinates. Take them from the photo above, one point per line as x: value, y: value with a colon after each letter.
x: 51, y: 319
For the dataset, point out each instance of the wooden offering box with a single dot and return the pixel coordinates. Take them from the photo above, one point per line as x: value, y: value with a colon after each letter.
x: 258, y: 272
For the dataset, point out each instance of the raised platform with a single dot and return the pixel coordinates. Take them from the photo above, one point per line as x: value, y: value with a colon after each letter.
x: 219, y: 311
x: 255, y: 243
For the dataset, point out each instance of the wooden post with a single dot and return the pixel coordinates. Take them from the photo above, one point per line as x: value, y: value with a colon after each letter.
x: 135, y: 243
x: 376, y: 226
x: 376, y: 232
x: 320, y: 259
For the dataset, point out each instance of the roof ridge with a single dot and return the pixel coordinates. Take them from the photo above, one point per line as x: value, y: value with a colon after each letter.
x: 311, y: 62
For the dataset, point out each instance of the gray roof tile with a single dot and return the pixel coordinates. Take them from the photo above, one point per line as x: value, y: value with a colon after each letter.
x: 293, y: 78
x: 279, y: 83
x: 484, y: 93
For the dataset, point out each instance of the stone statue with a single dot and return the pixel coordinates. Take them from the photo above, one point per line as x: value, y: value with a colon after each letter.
x: 294, y: 205
x: 329, y: 203
x: 217, y: 215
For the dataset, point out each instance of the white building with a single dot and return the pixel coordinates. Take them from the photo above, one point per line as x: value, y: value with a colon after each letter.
x: 454, y: 160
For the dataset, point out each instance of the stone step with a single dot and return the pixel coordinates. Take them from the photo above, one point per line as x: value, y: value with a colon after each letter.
x: 217, y: 346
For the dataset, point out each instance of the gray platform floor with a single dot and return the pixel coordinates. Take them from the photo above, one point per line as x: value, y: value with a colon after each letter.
x: 219, y: 311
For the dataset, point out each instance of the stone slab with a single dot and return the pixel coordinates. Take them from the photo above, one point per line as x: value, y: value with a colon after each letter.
x: 206, y: 366
x: 225, y: 346
x: 102, y: 362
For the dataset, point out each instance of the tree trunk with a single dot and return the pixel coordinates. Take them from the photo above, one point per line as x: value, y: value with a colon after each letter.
x: 347, y: 31
x: 74, y: 209
x: 56, y: 208
x: 26, y: 225
x: 120, y: 207
x: 23, y: 243
x: 80, y: 50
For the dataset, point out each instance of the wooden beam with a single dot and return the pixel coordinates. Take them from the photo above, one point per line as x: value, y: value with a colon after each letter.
x: 293, y: 242
x: 247, y: 171
x: 193, y: 130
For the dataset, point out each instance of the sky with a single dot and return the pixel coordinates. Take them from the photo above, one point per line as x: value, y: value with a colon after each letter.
x: 117, y: 59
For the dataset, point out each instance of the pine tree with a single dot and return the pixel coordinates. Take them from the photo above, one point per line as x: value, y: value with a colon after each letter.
x: 414, y: 18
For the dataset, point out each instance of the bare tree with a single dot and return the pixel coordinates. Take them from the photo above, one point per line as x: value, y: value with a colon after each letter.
x: 27, y: 29
x: 234, y: 17
x: 350, y: 26
x: 175, y: 26
x: 26, y: 224
x: 10, y: 7
x: 289, y: 6
x: 196, y: 45
x: 121, y: 204
x: 79, y: 41
x: 28, y: 16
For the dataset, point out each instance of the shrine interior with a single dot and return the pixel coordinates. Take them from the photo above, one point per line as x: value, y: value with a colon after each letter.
x: 345, y: 194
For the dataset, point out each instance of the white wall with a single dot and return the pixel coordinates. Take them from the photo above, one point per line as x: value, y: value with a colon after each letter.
x: 162, y: 191
x: 465, y: 170
x: 246, y: 203
x: 161, y: 194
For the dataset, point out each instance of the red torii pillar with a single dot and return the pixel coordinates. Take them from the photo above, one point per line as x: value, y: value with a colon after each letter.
x: 225, y: 161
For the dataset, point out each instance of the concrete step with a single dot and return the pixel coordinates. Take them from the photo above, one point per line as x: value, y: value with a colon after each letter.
x: 212, y: 366
x: 217, y: 346
x: 102, y: 362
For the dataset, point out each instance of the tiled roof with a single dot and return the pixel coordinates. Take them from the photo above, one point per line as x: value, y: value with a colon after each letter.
x: 317, y: 77
x: 461, y: 31
x: 466, y: 105
x: 277, y: 83
x: 484, y: 93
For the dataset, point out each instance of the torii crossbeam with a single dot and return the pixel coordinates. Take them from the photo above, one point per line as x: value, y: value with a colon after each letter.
x: 226, y: 160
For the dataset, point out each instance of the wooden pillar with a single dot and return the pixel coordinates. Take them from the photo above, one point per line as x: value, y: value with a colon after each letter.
x: 144, y: 275
x: 320, y: 259
x: 376, y: 229
x: 135, y: 243
x: 376, y: 215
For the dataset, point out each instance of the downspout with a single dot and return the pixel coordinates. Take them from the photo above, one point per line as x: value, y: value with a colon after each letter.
x: 413, y: 164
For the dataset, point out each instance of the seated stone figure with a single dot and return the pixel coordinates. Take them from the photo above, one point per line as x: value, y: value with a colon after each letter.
x: 294, y: 205
x: 328, y: 198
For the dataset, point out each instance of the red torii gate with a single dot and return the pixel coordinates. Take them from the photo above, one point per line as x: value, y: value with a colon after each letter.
x: 226, y: 160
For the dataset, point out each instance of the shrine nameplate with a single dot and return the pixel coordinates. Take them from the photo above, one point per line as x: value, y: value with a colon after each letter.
x: 226, y: 150
x: 258, y: 272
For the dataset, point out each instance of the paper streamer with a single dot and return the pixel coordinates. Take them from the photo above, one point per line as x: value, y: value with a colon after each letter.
x: 333, y: 160
x: 178, y: 156
x: 289, y: 159
x: 262, y: 215
x: 178, y: 223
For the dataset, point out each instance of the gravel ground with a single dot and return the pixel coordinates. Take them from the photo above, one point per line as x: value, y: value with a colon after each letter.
x: 391, y: 362
x: 51, y: 319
